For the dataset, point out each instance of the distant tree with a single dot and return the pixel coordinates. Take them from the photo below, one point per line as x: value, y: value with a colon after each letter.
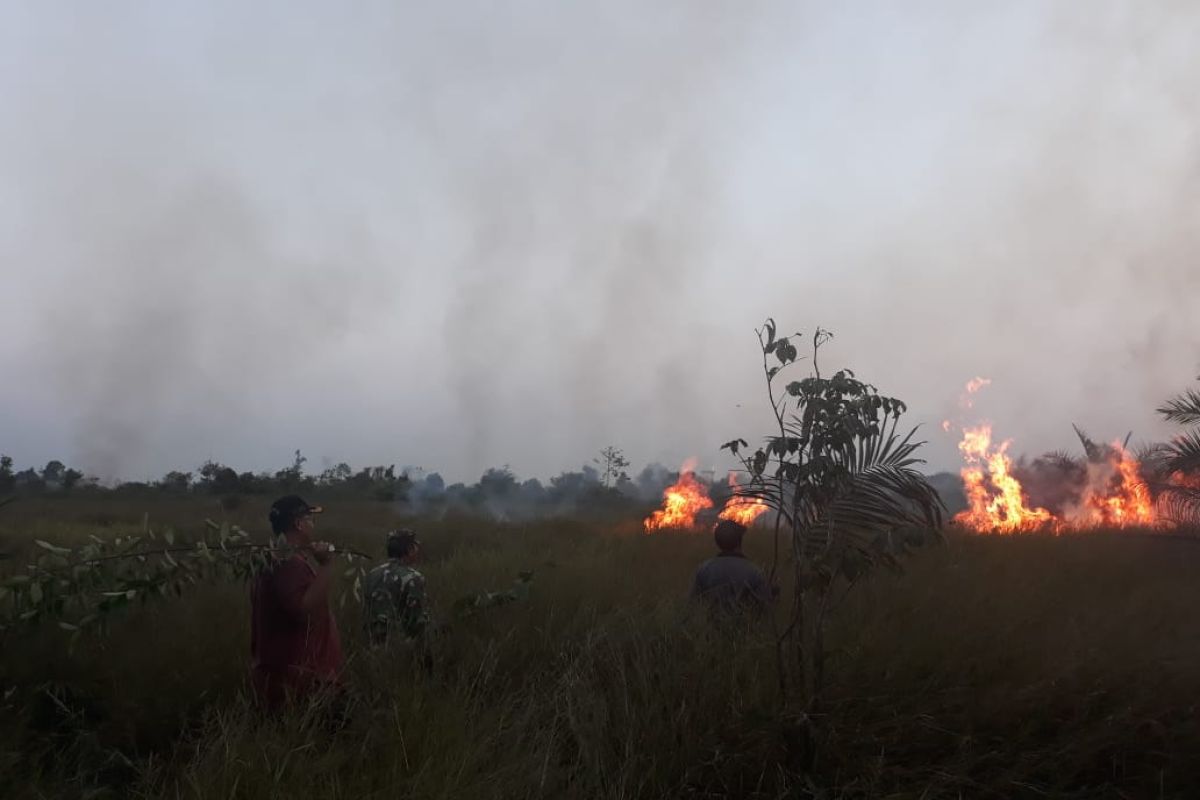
x: 380, y: 483
x: 254, y: 483
x: 208, y: 471
x: 218, y: 479
x: 434, y: 483
x: 53, y: 474
x: 497, y: 493
x: 291, y: 478
x: 532, y: 491
x: 176, y: 481
x: 70, y: 479
x: 28, y: 480
x: 413, y: 473
x: 366, y: 477
x: 397, y: 489
x: 456, y: 496
x: 336, y: 475
x: 652, y: 480
x: 612, y: 463
x: 498, y: 482
x: 6, y: 474
x: 568, y: 491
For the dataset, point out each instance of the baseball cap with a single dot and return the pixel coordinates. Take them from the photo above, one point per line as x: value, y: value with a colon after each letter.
x: 290, y: 507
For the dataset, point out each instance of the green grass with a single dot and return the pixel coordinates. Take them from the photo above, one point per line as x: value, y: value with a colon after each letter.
x: 992, y: 667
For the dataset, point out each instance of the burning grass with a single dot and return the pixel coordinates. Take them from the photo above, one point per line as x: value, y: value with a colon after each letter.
x: 1107, y: 488
x: 992, y: 667
x: 686, y: 500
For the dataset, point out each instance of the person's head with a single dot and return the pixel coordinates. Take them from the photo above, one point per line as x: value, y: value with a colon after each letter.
x: 403, y: 544
x: 291, y: 514
x: 728, y: 535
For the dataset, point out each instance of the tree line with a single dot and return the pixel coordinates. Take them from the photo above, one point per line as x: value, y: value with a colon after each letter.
x: 602, y: 485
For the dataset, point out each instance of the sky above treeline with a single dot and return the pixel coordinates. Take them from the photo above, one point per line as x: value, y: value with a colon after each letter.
x: 473, y: 234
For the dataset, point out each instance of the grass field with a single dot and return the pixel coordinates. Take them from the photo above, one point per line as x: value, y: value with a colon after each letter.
x: 992, y: 667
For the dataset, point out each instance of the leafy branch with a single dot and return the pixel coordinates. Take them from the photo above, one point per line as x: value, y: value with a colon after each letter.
x: 79, y: 588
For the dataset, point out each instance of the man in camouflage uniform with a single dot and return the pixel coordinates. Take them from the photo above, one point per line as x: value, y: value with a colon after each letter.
x: 394, y: 592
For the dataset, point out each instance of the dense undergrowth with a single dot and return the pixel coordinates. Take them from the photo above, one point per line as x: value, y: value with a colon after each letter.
x: 991, y: 667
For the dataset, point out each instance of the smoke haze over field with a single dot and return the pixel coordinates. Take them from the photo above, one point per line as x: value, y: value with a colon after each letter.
x: 515, y: 233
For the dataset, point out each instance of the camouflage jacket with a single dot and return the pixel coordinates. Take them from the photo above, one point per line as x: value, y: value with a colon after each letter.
x: 394, y: 599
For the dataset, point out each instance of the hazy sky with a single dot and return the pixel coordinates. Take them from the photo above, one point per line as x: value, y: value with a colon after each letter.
x: 466, y: 234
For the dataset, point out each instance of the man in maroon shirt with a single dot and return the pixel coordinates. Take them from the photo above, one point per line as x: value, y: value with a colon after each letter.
x: 295, y: 650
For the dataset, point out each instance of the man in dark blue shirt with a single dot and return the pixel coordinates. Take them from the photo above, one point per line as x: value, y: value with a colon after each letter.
x: 731, y: 583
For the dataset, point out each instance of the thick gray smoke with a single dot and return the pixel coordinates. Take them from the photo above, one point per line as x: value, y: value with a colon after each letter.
x: 479, y: 235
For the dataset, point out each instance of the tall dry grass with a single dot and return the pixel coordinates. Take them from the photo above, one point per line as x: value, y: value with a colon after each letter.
x: 992, y: 667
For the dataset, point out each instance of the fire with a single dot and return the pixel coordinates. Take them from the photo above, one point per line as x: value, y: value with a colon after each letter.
x: 682, y: 500
x: 1129, y: 504
x: 1111, y: 492
x: 743, y: 510
x: 687, y: 497
x: 995, y: 500
x: 973, y: 386
x: 1183, y: 479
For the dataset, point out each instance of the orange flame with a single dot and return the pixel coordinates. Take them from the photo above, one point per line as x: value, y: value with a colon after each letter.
x: 687, y: 497
x: 1184, y: 479
x: 1115, y: 495
x: 682, y: 500
x: 973, y: 386
x: 743, y: 510
x: 995, y: 500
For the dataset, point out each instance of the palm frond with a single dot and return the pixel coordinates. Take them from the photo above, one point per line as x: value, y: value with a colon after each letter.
x: 1180, y: 504
x: 1182, y: 454
x: 883, y: 497
x: 1184, y: 409
x: 882, y: 469
x: 881, y: 493
x: 1148, y: 451
x: 878, y: 514
x: 1094, y: 453
x: 1060, y: 459
x: 883, y: 448
x: 1152, y: 462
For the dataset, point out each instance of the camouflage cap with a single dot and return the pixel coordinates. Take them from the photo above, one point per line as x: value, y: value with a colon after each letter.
x: 402, y: 537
